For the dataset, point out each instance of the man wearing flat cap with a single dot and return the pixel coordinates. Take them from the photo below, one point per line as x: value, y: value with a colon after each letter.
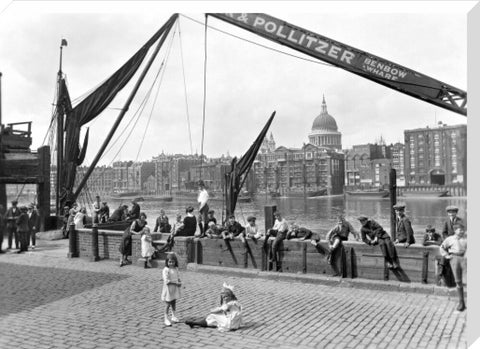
x: 447, y: 230
x: 451, y: 221
x: 404, y: 227
x: 11, y: 218
x: 374, y: 234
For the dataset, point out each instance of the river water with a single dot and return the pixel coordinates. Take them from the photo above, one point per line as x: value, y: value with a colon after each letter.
x: 319, y: 214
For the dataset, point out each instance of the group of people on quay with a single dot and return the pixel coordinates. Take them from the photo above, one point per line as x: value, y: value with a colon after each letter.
x: 451, y: 240
x: 20, y: 224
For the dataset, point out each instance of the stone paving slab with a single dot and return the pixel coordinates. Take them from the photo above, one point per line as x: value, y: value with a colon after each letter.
x: 51, y: 301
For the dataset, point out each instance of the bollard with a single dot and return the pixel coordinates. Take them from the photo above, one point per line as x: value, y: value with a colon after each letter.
x: 72, y: 242
x: 393, y: 201
x: 269, y: 219
x: 95, y: 257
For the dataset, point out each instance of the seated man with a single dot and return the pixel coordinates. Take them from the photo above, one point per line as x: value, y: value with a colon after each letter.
x: 233, y: 229
x: 431, y: 237
x: 335, y: 237
x: 279, y: 230
x: 161, y: 224
x: 251, y: 230
x: 374, y: 234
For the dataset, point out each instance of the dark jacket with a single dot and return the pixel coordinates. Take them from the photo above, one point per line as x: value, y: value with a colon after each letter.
x: 22, y: 223
x: 373, y: 230
x: 432, y: 239
x: 448, y: 227
x: 162, y: 225
x: 117, y: 215
x: 134, y: 212
x: 404, y: 230
x: 235, y: 228
x: 33, y: 221
x: 189, y: 226
x: 11, y: 217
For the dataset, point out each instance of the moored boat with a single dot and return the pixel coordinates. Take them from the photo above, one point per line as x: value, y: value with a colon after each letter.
x: 369, y: 193
x: 425, y: 193
x: 164, y: 198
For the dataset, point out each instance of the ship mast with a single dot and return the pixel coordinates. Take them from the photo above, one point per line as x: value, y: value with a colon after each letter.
x: 60, y: 129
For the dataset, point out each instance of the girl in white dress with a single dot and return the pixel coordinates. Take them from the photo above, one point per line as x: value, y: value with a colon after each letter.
x: 171, y: 287
x: 226, y: 317
x: 147, y: 248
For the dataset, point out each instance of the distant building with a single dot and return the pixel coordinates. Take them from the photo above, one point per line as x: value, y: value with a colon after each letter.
x: 317, y: 165
x: 172, y: 172
x: 100, y: 181
x: 293, y: 169
x: 398, y: 162
x: 325, y: 131
x: 436, y: 156
x: 368, y: 165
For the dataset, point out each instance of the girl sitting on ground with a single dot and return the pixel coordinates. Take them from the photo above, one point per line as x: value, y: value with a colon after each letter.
x: 171, y: 287
x: 226, y: 317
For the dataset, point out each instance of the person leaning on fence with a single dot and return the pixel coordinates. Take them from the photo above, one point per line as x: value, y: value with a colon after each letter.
x: 125, y: 247
x: 279, y: 230
x: 404, y: 227
x: 297, y: 232
x: 431, y: 237
x: 454, y: 248
x: 373, y: 234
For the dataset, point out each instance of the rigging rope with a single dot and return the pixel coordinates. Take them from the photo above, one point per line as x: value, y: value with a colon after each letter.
x: 185, y: 88
x: 138, y: 112
x: 204, y: 93
x: 164, y: 62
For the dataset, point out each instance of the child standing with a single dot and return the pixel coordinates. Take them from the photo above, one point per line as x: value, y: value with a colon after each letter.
x: 171, y: 287
x: 147, y: 248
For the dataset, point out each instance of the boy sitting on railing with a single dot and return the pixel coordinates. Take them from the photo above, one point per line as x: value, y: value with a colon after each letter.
x: 431, y: 237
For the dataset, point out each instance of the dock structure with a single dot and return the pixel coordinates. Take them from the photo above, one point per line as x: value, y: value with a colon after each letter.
x: 20, y: 165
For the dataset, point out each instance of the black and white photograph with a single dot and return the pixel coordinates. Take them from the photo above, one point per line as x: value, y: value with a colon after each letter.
x: 203, y: 174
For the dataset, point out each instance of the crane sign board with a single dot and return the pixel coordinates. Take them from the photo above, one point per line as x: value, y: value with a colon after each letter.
x: 354, y: 60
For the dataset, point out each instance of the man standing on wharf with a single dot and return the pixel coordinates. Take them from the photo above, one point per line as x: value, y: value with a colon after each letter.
x: 203, y: 207
x: 404, y: 227
x: 447, y: 230
x: 11, y: 218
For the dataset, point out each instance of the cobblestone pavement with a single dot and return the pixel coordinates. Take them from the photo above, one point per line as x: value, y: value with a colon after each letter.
x: 50, y: 301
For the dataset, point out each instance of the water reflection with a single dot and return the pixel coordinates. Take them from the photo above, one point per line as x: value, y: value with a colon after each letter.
x: 319, y: 214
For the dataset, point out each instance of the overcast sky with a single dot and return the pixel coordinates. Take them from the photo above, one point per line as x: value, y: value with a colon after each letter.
x: 245, y: 82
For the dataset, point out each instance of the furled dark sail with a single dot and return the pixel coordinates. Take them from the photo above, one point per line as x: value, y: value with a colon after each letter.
x: 91, y: 107
x: 239, y: 169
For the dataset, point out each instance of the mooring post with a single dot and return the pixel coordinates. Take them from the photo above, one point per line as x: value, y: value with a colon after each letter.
x: 393, y: 201
x: 95, y: 257
x: 72, y: 241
